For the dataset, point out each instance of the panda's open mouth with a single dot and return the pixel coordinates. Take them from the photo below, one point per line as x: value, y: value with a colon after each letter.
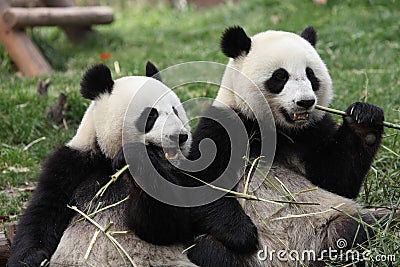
x: 295, y: 116
x: 300, y: 116
x: 171, y: 153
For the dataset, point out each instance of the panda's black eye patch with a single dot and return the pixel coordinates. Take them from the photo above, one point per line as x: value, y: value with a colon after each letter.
x: 314, y: 80
x: 147, y: 119
x: 277, y: 81
x: 175, y: 111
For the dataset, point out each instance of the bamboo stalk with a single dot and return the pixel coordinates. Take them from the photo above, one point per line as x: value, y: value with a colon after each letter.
x: 251, y: 197
x: 342, y: 113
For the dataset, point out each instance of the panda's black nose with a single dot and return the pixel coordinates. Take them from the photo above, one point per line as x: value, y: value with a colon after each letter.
x: 183, y: 138
x: 305, y: 103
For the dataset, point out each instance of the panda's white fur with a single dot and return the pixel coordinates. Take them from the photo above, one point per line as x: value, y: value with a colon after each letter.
x: 270, y: 50
x: 104, y: 119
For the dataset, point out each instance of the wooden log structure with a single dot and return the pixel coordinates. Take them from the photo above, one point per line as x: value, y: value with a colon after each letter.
x: 22, y: 50
x: 6, y: 241
x: 74, y: 33
x: 4, y: 249
x: 75, y: 21
x: 20, y: 18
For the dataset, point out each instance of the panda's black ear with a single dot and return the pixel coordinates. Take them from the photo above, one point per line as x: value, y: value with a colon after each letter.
x: 235, y: 42
x: 152, y: 71
x: 96, y: 81
x: 310, y: 34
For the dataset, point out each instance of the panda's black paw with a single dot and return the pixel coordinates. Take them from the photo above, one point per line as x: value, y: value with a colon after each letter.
x: 241, y: 239
x: 365, y: 114
x: 367, y: 121
x: 209, y: 252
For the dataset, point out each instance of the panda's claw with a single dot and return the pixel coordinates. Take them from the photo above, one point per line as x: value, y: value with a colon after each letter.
x: 365, y: 114
x: 351, y: 111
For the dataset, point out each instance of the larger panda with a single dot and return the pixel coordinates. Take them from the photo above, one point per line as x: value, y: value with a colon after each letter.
x: 311, y: 149
x: 138, y: 110
x: 294, y: 80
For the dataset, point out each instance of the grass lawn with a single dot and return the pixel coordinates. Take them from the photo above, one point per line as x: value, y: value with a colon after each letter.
x: 358, y: 40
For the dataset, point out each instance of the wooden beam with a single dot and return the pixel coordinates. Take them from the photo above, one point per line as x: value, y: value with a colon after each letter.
x: 11, y: 228
x: 20, y: 18
x: 25, y: 3
x: 75, y: 34
x: 22, y: 50
x: 4, y: 249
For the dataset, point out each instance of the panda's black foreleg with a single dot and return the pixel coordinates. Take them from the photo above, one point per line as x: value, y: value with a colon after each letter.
x: 160, y: 223
x: 225, y: 220
x: 47, y: 215
x: 209, y: 252
x: 340, y: 163
x: 151, y: 220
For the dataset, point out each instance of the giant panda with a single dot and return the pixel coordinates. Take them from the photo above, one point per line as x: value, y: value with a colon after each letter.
x: 311, y: 150
x: 291, y: 75
x: 74, y: 173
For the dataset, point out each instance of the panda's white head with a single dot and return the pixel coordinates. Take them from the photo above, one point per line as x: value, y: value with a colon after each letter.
x: 284, y: 66
x: 130, y: 109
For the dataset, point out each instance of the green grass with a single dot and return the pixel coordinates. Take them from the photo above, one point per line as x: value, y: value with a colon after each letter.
x: 358, y: 40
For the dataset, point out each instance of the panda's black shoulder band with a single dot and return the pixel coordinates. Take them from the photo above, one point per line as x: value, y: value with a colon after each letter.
x: 96, y: 81
x: 235, y: 42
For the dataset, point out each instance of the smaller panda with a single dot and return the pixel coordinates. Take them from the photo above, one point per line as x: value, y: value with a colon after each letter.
x: 73, y: 174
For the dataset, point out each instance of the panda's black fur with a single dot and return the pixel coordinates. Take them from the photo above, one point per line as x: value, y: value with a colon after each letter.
x: 98, y: 81
x: 47, y: 215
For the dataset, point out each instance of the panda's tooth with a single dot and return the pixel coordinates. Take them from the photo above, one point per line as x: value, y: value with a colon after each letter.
x: 300, y: 116
x: 169, y: 157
